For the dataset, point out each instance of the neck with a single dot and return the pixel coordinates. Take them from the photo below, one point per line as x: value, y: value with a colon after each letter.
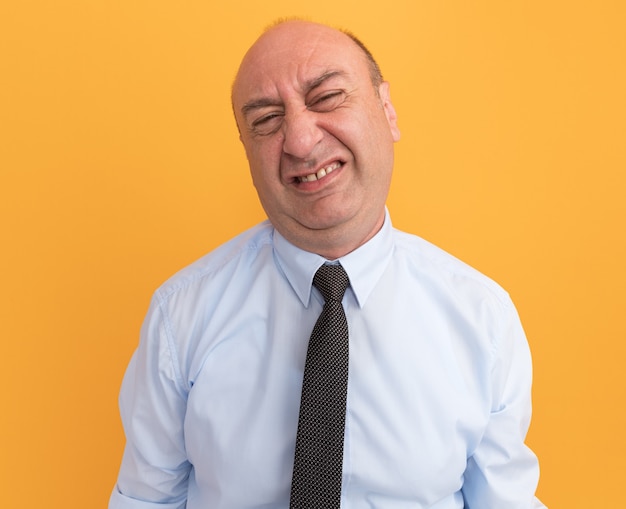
x: 335, y: 243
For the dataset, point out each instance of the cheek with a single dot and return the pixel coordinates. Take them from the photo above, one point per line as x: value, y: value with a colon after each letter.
x: 263, y: 151
x: 265, y: 173
x: 264, y: 159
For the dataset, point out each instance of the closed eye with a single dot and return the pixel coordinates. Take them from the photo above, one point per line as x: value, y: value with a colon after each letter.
x: 327, y: 101
x: 266, y: 124
x: 265, y: 118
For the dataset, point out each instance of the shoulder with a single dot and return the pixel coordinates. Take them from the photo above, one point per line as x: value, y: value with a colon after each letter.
x: 437, y: 265
x: 242, y: 251
x: 474, y: 302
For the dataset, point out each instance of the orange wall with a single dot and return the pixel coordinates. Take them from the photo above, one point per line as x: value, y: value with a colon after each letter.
x: 119, y: 164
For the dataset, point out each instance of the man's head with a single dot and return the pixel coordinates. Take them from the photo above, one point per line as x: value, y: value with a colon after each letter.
x: 318, y: 127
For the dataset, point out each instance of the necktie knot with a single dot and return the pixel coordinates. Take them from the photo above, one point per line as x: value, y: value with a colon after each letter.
x: 332, y: 282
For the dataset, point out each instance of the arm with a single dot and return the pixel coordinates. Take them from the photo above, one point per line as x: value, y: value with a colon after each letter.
x: 154, y: 470
x: 503, y: 471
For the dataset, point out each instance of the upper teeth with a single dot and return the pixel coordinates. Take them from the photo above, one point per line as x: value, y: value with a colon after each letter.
x: 320, y: 173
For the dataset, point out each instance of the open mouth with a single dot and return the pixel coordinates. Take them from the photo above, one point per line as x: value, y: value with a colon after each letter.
x: 321, y: 173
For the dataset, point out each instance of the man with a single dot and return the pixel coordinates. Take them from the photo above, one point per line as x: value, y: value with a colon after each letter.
x: 438, y: 397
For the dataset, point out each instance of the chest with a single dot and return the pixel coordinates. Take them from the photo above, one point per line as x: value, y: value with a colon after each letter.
x: 418, y: 401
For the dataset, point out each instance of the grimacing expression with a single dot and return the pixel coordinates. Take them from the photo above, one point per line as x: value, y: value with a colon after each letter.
x: 318, y: 136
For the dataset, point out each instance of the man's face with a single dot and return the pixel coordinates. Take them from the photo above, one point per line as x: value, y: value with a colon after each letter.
x: 318, y: 136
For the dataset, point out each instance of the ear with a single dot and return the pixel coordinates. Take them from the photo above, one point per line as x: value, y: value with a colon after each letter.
x: 390, y: 112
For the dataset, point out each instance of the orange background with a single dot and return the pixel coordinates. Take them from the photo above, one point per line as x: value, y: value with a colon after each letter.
x: 120, y: 164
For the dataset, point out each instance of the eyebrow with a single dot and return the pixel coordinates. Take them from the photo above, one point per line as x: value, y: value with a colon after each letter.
x: 309, y: 86
x: 316, y: 82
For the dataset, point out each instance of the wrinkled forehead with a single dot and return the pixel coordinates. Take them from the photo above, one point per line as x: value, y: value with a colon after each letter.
x: 292, y: 54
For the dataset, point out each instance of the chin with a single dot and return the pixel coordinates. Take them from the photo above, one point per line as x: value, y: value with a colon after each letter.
x: 326, y: 220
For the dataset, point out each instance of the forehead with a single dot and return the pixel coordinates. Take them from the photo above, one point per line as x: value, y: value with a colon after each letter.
x: 293, y: 54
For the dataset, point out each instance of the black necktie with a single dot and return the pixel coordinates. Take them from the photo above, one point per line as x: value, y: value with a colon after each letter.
x: 317, y: 470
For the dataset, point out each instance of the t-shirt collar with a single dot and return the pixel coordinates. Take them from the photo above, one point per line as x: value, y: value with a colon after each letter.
x: 364, y: 265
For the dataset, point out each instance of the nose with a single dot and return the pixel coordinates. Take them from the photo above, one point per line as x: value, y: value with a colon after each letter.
x: 301, y: 133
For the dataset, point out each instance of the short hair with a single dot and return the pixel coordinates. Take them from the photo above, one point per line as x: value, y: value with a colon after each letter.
x: 375, y: 74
